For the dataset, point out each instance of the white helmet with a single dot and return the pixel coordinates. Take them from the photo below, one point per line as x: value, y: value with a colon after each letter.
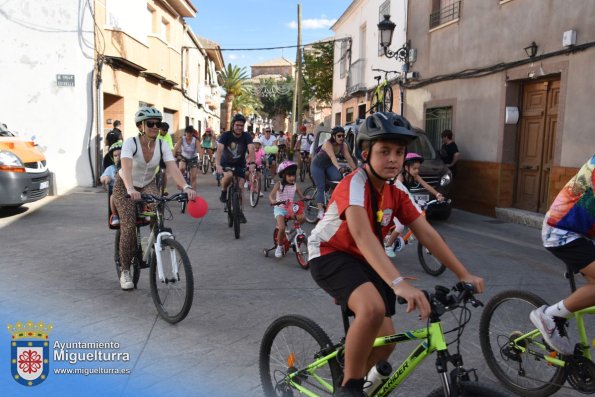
x: 147, y: 112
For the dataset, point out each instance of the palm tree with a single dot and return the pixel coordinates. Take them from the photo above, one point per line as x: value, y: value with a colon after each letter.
x: 247, y: 102
x: 234, y: 79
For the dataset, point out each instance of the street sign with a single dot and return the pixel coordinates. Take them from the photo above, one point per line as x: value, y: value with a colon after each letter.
x: 65, y: 80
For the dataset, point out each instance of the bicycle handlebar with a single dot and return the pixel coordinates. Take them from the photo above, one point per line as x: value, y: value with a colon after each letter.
x: 436, y: 201
x: 149, y: 198
x: 443, y: 300
x: 385, y: 71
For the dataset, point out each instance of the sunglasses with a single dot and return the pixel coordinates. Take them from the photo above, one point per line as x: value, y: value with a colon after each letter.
x: 340, y: 135
x: 153, y: 124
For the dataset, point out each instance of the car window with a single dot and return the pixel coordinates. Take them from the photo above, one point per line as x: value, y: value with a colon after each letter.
x: 422, y: 146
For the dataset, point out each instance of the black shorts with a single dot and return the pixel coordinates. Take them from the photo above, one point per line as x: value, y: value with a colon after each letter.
x: 239, y: 170
x: 577, y: 254
x: 339, y: 274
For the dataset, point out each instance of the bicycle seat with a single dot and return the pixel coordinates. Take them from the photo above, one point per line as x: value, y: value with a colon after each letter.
x: 377, y: 78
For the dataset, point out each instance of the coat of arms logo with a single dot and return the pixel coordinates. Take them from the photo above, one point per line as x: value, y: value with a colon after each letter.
x: 29, y: 358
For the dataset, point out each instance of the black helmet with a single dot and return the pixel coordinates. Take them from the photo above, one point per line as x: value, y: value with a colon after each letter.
x: 238, y: 117
x: 385, y: 125
x: 336, y: 130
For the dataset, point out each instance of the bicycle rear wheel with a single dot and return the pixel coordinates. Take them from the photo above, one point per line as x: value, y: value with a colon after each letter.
x: 235, y: 202
x: 173, y: 296
x: 505, y: 318
x: 301, y: 251
x: 303, y: 171
x: 387, y: 100
x: 471, y: 389
x: 429, y: 262
x: 310, y: 207
x: 288, y: 346
x: 254, y: 189
x: 229, y: 208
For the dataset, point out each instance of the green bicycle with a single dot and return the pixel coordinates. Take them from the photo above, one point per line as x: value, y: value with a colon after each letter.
x: 297, y: 356
x: 518, y: 355
x: 382, y: 99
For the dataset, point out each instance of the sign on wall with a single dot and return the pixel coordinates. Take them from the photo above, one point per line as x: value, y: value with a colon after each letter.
x: 65, y: 80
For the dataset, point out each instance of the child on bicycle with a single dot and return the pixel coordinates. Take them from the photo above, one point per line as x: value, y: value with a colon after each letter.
x: 109, y: 176
x: 568, y: 232
x: 285, y: 190
x: 347, y: 258
x: 409, y: 177
x: 260, y: 158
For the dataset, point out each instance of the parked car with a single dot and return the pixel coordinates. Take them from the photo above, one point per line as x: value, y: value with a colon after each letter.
x: 433, y: 170
x: 24, y: 176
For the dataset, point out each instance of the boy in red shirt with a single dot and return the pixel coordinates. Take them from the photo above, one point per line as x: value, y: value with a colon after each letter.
x: 347, y: 257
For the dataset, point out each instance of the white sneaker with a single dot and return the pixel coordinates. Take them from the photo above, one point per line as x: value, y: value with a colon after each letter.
x: 320, y: 214
x: 553, y: 330
x: 279, y: 252
x: 126, y: 280
x: 389, y: 251
x: 261, y: 195
x: 246, y: 185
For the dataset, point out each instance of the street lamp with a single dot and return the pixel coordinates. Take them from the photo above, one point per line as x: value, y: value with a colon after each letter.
x: 386, y: 28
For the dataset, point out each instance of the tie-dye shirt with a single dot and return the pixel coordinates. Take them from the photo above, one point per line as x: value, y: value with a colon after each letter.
x: 572, y: 214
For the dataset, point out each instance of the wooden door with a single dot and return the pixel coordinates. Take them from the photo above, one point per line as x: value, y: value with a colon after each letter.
x: 539, y: 113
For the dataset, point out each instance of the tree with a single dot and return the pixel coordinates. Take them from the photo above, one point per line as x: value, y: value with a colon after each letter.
x: 247, y: 102
x: 234, y: 82
x: 318, y: 72
x: 276, y: 96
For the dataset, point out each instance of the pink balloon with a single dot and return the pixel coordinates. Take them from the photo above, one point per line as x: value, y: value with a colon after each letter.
x: 198, y: 207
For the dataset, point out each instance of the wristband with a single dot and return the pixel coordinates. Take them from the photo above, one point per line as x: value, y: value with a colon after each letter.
x: 399, y: 280
x: 187, y: 187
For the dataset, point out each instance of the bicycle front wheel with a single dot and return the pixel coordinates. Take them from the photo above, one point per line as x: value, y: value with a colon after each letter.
x: 301, y: 251
x: 387, y: 100
x: 235, y: 199
x: 254, y: 190
x: 205, y: 164
x: 310, y: 207
x: 288, y: 346
x: 172, y: 296
x: 471, y: 389
x: 429, y: 262
x: 504, y: 319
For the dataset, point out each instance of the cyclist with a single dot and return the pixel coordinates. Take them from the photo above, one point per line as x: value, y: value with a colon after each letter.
x: 188, y: 146
x: 269, y: 144
x: 345, y: 248
x: 112, y: 137
x: 208, y: 144
x: 410, y: 178
x: 284, y: 190
x: 282, y: 144
x: 164, y: 134
x: 109, y: 176
x: 139, y: 159
x: 231, y: 152
x: 260, y: 157
x: 568, y: 232
x: 303, y: 143
x: 325, y: 165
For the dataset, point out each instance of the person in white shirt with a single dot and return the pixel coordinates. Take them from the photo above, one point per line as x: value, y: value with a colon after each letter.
x: 140, y: 157
x: 269, y: 144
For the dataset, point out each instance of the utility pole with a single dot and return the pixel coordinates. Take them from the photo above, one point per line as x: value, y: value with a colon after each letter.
x: 297, y: 93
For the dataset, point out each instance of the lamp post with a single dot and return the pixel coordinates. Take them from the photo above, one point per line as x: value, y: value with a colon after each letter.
x: 386, y: 28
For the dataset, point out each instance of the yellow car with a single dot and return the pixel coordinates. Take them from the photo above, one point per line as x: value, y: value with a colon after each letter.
x: 24, y: 176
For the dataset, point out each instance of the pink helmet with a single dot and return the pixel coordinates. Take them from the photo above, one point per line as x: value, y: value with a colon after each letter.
x: 413, y: 158
x: 284, y: 166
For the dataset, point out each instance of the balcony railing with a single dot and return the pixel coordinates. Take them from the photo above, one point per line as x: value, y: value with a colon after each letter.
x: 446, y: 14
x: 356, y: 77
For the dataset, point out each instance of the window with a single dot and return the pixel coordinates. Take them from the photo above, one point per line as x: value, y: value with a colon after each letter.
x: 165, y: 31
x: 437, y: 120
x: 338, y: 118
x: 361, y: 111
x: 348, y: 115
x: 343, y: 59
x: 382, y: 11
x: 362, y: 42
x: 444, y: 11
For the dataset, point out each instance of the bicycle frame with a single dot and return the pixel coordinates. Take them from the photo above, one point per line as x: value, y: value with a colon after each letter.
x: 535, y: 335
x: 156, y: 236
x: 432, y: 339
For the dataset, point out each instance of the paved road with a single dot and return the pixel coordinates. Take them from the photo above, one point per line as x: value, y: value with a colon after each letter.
x: 57, y: 267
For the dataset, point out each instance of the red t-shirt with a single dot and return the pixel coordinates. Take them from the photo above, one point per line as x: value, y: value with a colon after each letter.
x: 332, y: 232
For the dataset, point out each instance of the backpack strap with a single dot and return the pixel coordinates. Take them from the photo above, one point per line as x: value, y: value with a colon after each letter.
x: 135, y: 146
